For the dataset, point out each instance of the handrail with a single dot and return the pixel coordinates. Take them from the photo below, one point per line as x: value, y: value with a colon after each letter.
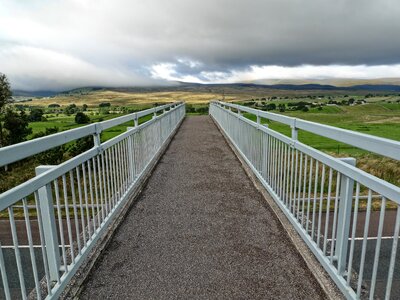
x: 74, y: 203
x: 378, y: 145
x: 322, y: 195
x: 26, y: 188
x: 26, y: 149
x: 381, y: 186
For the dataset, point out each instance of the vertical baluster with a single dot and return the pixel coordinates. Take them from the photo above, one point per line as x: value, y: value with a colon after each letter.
x: 60, y: 225
x: 294, y: 192
x: 353, y: 234
x: 291, y: 180
x: 393, y: 254
x: 78, y: 179
x: 86, y: 201
x: 92, y: 205
x: 299, y: 186
x: 309, y: 192
x: 105, y: 182
x: 114, y: 176
x: 321, y: 201
x: 377, y: 248
x: 17, y: 253
x: 328, y: 208
x: 4, y: 276
x: 102, y: 200
x: 364, y: 245
x: 338, y: 181
x: 284, y: 185
x: 287, y: 183
x: 42, y: 244
x: 96, y: 192
x: 78, y: 239
x: 71, y: 241
x: 31, y: 251
x: 304, y: 189
x: 314, y: 198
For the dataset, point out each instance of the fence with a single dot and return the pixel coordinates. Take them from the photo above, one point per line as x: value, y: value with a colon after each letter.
x: 348, y: 218
x: 65, y: 209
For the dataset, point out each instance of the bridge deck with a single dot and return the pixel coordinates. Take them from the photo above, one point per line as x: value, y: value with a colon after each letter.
x: 200, y: 229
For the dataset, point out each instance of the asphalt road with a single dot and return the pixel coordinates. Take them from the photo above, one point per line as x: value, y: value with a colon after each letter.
x: 200, y: 229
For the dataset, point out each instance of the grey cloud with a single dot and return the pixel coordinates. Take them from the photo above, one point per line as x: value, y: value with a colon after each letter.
x: 223, y: 35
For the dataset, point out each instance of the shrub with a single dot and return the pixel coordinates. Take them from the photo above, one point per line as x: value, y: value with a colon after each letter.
x: 81, y: 118
x: 36, y: 115
x: 54, y: 105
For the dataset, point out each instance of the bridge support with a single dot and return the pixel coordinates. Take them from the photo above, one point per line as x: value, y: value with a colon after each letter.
x: 49, y: 226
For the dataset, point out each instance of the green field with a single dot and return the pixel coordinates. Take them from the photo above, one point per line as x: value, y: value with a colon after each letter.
x: 379, y: 115
x: 377, y: 119
x: 67, y: 122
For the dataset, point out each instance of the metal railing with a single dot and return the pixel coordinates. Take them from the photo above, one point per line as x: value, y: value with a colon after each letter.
x: 349, y: 218
x: 62, y: 212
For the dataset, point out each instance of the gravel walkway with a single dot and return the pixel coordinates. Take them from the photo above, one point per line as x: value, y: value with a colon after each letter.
x: 200, y: 229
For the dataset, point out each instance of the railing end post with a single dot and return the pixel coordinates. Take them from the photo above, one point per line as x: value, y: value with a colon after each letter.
x: 344, y: 216
x: 46, y: 205
x: 295, y: 131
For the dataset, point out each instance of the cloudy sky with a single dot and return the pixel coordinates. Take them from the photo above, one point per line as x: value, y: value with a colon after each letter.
x: 62, y: 44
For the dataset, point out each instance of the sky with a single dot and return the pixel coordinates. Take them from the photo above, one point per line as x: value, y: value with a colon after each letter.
x: 64, y: 44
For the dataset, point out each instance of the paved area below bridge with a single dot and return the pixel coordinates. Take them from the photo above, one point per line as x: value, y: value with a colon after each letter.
x: 200, y: 229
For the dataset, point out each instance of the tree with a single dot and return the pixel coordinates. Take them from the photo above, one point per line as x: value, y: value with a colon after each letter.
x: 5, y: 98
x: 55, y: 155
x: 190, y: 108
x: 84, y: 107
x: 16, y: 126
x: 81, y: 118
x: 36, y: 115
x: 202, y: 110
x: 81, y: 145
x: 54, y: 105
x: 71, y: 109
x: 105, y: 104
x: 270, y: 106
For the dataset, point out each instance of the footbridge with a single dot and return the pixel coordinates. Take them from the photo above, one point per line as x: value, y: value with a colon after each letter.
x: 210, y: 207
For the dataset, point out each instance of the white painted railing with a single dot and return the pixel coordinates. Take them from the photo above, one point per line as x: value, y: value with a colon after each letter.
x: 61, y: 213
x: 329, y: 201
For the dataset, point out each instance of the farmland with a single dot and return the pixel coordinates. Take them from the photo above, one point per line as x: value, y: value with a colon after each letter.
x: 377, y: 114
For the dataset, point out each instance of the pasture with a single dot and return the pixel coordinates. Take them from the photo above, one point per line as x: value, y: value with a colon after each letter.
x: 379, y: 115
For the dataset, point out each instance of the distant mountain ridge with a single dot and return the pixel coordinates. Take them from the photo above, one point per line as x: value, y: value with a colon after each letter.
x: 22, y: 93
x: 187, y: 85
x: 324, y: 87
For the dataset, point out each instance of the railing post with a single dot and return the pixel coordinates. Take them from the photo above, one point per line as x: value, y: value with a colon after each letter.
x: 154, y: 113
x: 131, y: 154
x: 49, y: 226
x: 97, y: 135
x: 344, y: 217
x: 294, y: 130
